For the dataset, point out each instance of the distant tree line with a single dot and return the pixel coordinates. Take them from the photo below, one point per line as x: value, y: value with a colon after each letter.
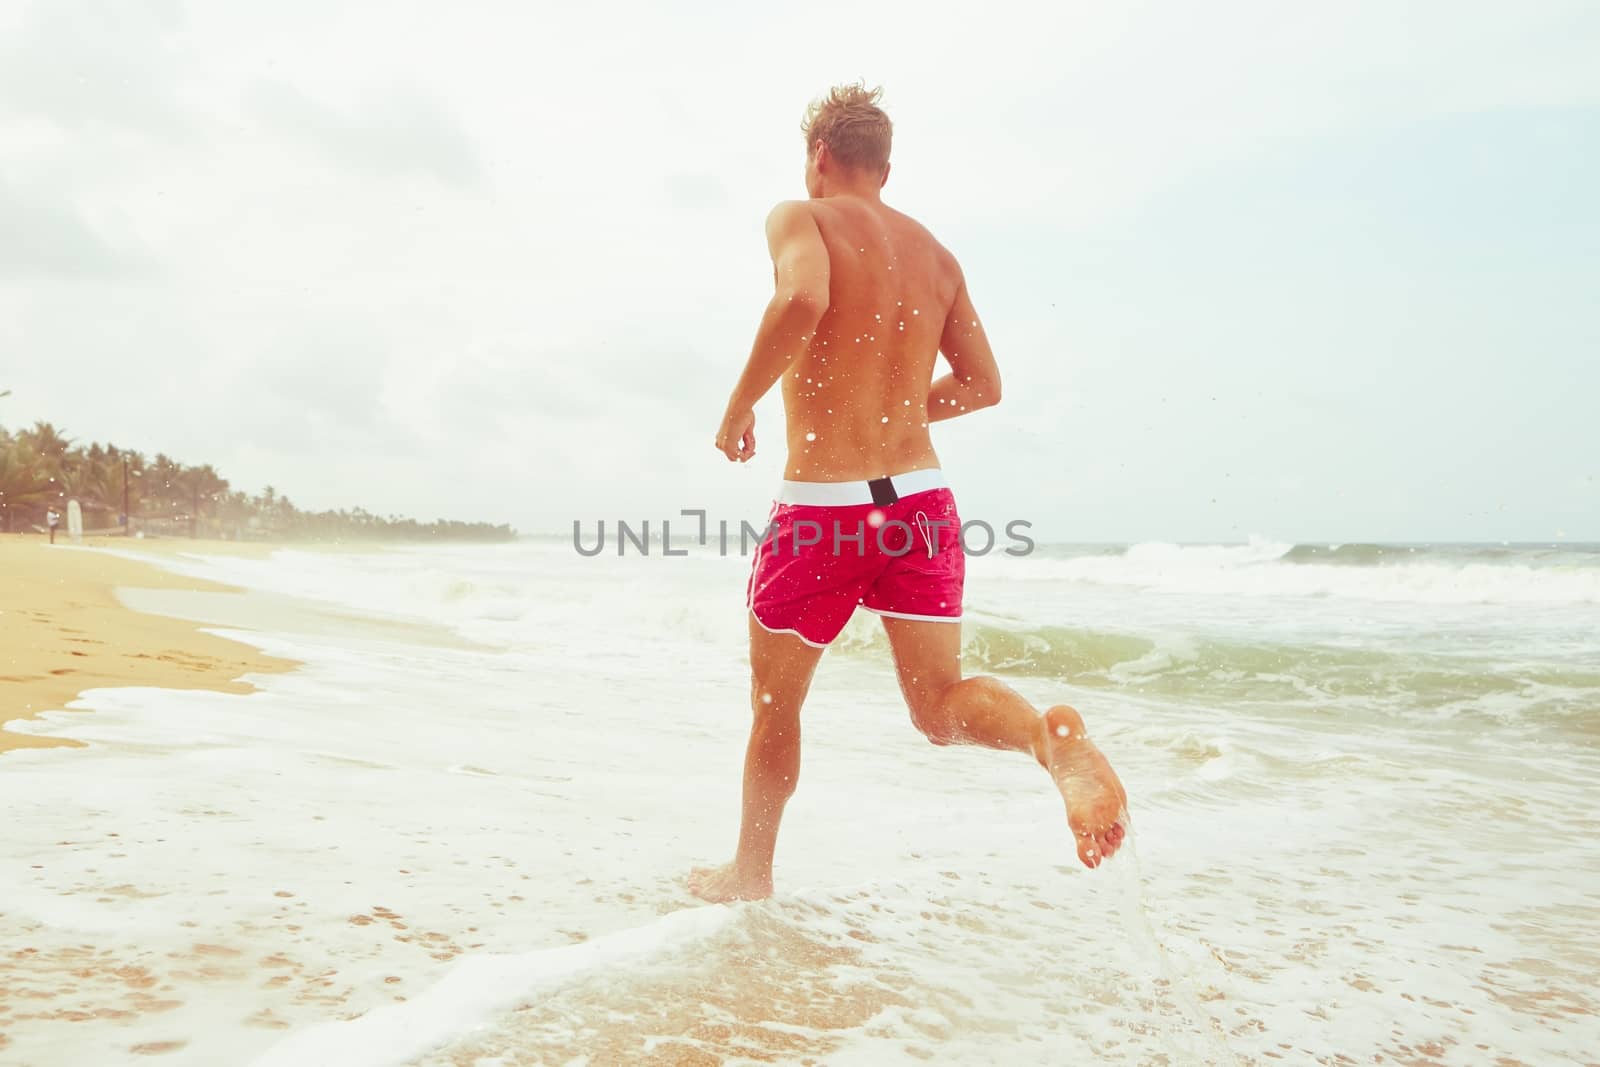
x: 41, y: 468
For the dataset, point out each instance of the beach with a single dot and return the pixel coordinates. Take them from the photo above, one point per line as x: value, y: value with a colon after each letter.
x: 434, y: 804
x: 409, y: 658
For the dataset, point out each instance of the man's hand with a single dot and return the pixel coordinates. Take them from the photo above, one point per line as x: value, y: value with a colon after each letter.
x: 736, y: 438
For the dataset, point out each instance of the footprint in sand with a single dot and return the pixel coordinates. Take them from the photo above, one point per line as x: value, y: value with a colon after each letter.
x: 156, y: 1048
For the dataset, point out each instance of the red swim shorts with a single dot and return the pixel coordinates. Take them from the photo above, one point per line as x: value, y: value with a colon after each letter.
x: 892, y: 545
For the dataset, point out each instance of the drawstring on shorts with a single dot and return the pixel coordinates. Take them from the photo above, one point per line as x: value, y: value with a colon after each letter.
x: 923, y: 526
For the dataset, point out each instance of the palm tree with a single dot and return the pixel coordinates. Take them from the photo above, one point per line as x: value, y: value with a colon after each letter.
x: 161, y: 479
x: 80, y: 482
x: 47, y: 443
x: 200, y: 483
x: 41, y: 464
x: 20, y: 480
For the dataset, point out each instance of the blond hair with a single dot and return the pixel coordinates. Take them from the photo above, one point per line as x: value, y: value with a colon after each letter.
x: 853, y: 126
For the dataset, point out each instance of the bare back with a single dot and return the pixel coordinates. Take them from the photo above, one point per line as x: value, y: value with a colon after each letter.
x: 857, y: 401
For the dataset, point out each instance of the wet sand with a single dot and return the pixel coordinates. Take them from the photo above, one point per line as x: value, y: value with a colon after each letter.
x: 64, y: 629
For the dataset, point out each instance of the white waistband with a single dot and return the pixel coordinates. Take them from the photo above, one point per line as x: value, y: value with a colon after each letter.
x: 843, y: 494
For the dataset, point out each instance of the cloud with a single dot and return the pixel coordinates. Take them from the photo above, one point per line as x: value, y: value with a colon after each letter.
x: 695, y: 191
x: 410, y: 261
x: 45, y: 237
x: 85, y: 67
x: 398, y: 131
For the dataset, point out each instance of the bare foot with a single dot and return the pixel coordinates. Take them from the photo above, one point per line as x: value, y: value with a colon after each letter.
x: 1097, y: 806
x: 722, y: 884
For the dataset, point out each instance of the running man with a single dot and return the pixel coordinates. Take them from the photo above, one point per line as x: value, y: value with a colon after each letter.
x: 866, y: 300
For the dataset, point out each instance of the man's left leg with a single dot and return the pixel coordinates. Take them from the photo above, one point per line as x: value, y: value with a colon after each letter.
x: 952, y: 710
x: 781, y: 668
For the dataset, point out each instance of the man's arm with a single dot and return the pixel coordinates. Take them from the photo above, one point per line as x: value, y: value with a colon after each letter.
x: 974, y: 378
x: 800, y: 297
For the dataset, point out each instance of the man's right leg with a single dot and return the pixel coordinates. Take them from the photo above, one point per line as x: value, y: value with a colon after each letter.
x: 781, y: 668
x: 952, y: 710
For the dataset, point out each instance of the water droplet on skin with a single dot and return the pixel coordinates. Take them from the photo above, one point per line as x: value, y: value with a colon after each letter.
x: 914, y: 311
x: 811, y: 437
x: 974, y: 322
x: 908, y: 403
x: 886, y: 418
x: 766, y: 698
x: 1063, y: 731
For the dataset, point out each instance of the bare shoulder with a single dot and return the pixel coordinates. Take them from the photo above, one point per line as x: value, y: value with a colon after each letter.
x: 789, y: 213
x: 949, y: 266
x: 943, y: 259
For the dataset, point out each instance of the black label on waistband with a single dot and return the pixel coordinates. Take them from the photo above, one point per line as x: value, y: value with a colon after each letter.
x: 883, y: 492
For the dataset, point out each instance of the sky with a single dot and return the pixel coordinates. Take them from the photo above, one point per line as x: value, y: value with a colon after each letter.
x: 1300, y: 272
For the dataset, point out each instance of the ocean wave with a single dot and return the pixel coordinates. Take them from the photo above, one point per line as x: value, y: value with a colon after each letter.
x: 1445, y: 574
x: 475, y: 990
x: 1213, y: 668
x: 1353, y: 555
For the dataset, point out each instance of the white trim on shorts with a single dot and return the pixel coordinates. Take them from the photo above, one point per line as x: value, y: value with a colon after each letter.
x: 770, y: 630
x: 914, y: 618
x: 844, y: 494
